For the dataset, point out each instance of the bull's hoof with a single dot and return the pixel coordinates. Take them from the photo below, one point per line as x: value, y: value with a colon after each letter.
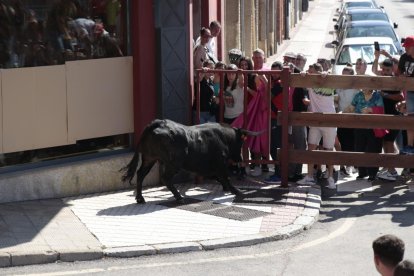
x: 180, y: 200
x: 236, y: 192
x: 140, y: 200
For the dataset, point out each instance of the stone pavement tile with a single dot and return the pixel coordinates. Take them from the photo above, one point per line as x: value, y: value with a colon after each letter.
x: 354, y: 186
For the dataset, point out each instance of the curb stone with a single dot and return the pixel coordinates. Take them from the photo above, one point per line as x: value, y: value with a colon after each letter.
x: 179, y: 247
x: 5, y: 259
x: 128, y: 252
x: 80, y: 254
x: 30, y: 258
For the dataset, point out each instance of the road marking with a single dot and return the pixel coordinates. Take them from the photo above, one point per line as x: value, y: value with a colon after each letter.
x: 338, y: 232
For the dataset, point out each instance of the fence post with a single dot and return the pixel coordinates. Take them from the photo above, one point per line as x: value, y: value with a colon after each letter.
x: 284, y: 156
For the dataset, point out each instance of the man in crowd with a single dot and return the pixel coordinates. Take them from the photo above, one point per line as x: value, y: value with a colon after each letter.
x: 321, y: 100
x: 404, y: 268
x: 390, y: 98
x: 215, y: 28
x: 388, y: 252
x: 406, y: 68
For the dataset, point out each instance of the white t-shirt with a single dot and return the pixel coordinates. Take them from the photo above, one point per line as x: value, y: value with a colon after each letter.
x: 211, y: 46
x: 321, y: 100
x: 237, y: 109
x: 345, y: 97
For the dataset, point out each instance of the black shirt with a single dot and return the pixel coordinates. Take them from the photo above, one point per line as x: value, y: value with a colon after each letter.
x: 206, y: 96
x: 297, y: 99
x: 389, y: 105
x: 406, y: 65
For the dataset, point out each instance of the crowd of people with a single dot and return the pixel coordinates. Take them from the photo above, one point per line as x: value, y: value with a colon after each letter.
x: 68, y: 30
x: 313, y: 99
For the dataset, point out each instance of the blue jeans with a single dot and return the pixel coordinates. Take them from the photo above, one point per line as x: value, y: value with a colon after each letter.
x: 205, y: 117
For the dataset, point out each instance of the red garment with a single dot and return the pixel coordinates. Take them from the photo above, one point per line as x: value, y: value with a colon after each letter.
x: 257, y: 120
x: 379, y: 132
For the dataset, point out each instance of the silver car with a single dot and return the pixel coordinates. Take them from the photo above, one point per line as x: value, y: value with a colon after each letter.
x: 360, y: 47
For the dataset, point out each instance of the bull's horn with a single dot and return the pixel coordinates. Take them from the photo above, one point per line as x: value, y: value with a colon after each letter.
x: 252, y: 133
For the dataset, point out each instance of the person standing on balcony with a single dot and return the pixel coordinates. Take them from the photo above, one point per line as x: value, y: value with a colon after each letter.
x: 215, y: 28
x: 200, y: 51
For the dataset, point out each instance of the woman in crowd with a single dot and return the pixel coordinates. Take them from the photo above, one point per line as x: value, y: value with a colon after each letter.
x: 345, y: 136
x: 367, y: 101
x: 233, y: 94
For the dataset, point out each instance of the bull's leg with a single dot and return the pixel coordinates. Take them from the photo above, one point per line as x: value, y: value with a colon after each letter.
x: 141, y: 173
x: 223, y: 178
x: 166, y: 177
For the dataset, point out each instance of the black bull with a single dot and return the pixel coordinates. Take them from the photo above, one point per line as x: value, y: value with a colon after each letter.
x: 202, y: 149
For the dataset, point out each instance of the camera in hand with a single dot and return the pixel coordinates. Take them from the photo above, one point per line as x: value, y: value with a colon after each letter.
x: 376, y: 46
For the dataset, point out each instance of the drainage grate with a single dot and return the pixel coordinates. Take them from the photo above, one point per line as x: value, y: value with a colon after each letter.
x: 262, y: 197
x: 215, y: 209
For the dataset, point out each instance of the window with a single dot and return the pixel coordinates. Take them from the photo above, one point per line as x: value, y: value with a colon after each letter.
x: 48, y: 32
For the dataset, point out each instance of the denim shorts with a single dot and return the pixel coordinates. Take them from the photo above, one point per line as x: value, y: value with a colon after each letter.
x: 410, y: 102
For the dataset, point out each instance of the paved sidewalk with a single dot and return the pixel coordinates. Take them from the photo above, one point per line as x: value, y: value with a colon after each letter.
x: 112, y: 224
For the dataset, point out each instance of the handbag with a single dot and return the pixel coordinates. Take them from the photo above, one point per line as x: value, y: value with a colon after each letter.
x: 380, y: 132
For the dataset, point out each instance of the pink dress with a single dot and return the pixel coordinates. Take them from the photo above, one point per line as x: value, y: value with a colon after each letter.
x: 257, y: 120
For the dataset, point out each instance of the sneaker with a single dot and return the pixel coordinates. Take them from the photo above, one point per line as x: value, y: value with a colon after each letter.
x: 371, y: 178
x: 295, y: 177
x: 405, y: 172
x: 349, y: 170
x: 265, y: 168
x: 273, y: 179
x: 257, y: 171
x: 307, y: 180
x: 331, y: 183
x: 390, y: 176
x: 344, y: 171
x: 407, y: 150
x: 361, y: 176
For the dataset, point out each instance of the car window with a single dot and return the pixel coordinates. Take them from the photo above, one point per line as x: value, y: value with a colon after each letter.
x: 359, y: 5
x: 368, y: 31
x: 367, y: 16
x: 349, y: 54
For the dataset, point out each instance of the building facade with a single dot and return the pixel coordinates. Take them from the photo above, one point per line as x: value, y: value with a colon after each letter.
x: 81, y: 101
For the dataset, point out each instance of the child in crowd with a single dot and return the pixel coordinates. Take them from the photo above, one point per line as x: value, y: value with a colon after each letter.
x: 207, y: 99
x: 233, y: 94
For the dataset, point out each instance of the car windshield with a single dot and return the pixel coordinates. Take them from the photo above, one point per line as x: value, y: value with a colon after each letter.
x: 359, y: 4
x: 368, y: 16
x: 350, y: 54
x: 367, y: 31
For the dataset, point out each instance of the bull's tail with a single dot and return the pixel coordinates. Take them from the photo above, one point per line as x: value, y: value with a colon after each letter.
x: 131, y: 168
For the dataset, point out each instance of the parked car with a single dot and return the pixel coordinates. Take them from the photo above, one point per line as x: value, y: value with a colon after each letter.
x: 368, y: 29
x: 347, y: 4
x: 361, y: 14
x: 360, y: 47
